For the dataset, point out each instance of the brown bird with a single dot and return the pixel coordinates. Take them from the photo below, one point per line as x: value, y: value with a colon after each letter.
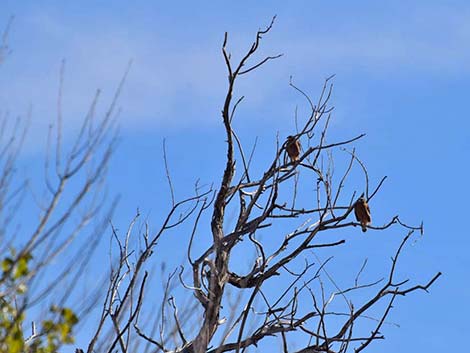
x: 362, y: 212
x: 293, y: 148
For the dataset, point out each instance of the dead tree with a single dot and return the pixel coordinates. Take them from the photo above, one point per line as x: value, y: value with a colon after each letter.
x: 299, y: 307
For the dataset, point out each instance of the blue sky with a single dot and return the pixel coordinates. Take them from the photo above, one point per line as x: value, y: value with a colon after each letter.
x: 402, y: 77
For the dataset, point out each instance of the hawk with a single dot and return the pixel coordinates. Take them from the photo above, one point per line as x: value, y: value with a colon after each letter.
x: 293, y: 148
x: 362, y: 212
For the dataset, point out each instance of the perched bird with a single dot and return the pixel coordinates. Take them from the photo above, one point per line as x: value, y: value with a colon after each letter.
x: 293, y: 148
x: 362, y: 212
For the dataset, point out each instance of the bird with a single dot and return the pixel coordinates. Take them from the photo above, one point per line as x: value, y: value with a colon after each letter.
x: 362, y: 212
x: 293, y: 148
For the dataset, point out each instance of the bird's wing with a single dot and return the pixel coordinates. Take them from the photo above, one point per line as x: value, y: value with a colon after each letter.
x: 368, y: 213
x: 357, y: 211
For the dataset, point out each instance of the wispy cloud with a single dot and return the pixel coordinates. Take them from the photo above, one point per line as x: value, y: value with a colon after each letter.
x: 182, y: 83
x: 433, y: 40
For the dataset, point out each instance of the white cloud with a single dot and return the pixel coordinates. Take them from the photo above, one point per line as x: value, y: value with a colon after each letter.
x: 432, y: 40
x: 183, y: 83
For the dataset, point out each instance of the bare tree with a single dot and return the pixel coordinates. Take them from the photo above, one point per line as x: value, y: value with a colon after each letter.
x: 58, y: 217
x: 234, y: 311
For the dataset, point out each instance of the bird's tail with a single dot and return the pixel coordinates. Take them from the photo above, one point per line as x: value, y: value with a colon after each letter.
x: 364, y: 227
